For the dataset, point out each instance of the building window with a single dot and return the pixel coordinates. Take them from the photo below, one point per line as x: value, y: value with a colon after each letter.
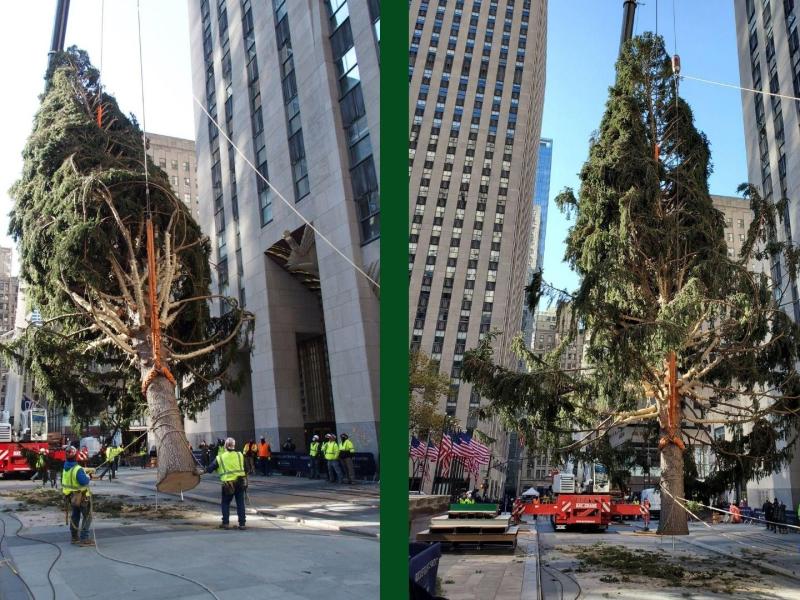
x: 173, y: 164
x: 186, y: 165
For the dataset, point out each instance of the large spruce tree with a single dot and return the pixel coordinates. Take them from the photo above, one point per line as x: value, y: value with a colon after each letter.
x: 80, y: 218
x: 656, y: 281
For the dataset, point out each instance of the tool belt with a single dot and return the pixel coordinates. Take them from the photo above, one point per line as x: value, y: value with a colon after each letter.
x: 75, y: 499
x: 230, y: 487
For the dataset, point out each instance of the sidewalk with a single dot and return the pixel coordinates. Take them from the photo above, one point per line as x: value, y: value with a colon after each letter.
x: 313, y: 502
x: 272, y: 559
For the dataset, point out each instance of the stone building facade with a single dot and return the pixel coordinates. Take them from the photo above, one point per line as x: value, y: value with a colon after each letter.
x: 295, y: 87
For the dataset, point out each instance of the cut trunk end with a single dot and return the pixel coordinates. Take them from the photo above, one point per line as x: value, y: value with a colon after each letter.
x: 674, y: 518
x: 176, y: 464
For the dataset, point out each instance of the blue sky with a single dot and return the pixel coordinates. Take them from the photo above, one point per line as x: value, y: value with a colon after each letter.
x: 582, y: 47
x: 25, y: 40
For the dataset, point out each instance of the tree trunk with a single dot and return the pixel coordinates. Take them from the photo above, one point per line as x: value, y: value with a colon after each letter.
x: 176, y: 465
x: 673, y: 519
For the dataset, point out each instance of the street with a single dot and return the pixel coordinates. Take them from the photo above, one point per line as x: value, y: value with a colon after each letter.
x: 728, y: 561
x: 303, y: 538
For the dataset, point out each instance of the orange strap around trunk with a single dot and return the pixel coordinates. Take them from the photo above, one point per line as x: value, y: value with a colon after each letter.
x: 155, y: 324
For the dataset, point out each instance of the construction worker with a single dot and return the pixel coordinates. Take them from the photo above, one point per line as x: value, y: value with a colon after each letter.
x: 346, y: 452
x: 250, y: 451
x: 229, y: 464
x: 313, y: 453
x: 264, y: 457
x: 331, y: 451
x: 39, y: 467
x: 288, y: 445
x: 736, y: 514
x: 77, y: 498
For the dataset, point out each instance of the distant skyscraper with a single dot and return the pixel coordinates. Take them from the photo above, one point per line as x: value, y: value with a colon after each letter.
x: 477, y: 72
x: 9, y: 287
x: 177, y: 159
x: 541, y: 195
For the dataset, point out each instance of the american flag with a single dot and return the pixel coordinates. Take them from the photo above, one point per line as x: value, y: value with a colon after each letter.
x: 479, y: 451
x: 417, y: 449
x: 433, y: 452
x: 461, y: 446
x: 472, y: 465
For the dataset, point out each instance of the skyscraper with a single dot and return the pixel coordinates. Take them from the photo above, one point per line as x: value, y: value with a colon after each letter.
x: 477, y: 72
x: 176, y: 157
x: 541, y: 195
x: 295, y: 86
x: 9, y: 286
x: 769, y: 60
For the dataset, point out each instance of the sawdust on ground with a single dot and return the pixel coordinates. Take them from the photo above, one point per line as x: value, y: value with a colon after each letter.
x: 108, y: 505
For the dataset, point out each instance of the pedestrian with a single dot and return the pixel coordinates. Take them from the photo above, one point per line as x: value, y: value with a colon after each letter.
x: 288, y: 445
x: 331, y: 450
x: 229, y: 464
x: 767, y: 509
x: 143, y: 456
x: 646, y: 514
x: 313, y: 453
x: 264, y: 456
x: 205, y: 456
x: 220, y: 446
x: 346, y: 452
x: 77, y: 498
x: 780, y: 518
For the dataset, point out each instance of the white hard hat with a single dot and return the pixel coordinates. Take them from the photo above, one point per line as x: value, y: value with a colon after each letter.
x: 316, y: 437
x: 230, y: 443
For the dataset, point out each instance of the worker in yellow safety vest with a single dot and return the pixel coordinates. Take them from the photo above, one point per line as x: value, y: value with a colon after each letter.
x: 77, y: 498
x: 229, y: 465
x: 331, y: 451
x: 346, y: 452
x: 314, y: 455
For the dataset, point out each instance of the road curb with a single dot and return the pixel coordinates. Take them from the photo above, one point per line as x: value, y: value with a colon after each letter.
x: 758, y: 563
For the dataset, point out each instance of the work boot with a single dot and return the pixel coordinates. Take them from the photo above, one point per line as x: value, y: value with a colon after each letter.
x: 86, y: 542
x: 224, y: 526
x: 242, y: 527
x: 75, y: 541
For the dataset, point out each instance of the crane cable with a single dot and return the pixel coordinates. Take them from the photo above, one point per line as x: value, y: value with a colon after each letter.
x: 99, y: 86
x: 158, y: 368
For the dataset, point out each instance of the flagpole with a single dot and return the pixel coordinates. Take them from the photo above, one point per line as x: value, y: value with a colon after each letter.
x: 425, y: 463
x: 438, y: 458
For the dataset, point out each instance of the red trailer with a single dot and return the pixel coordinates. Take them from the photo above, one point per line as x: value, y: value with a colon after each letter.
x: 593, y: 509
x: 588, y: 510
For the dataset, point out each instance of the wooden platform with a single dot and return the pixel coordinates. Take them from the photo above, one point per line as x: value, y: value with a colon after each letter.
x: 472, y: 514
x: 464, y: 525
x: 506, y: 537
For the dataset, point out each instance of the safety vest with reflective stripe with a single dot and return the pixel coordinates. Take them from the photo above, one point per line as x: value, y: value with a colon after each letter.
x: 69, y: 482
x: 230, y: 465
x: 348, y: 446
x: 264, y: 450
x: 314, y: 450
x: 331, y: 450
x: 40, y: 461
